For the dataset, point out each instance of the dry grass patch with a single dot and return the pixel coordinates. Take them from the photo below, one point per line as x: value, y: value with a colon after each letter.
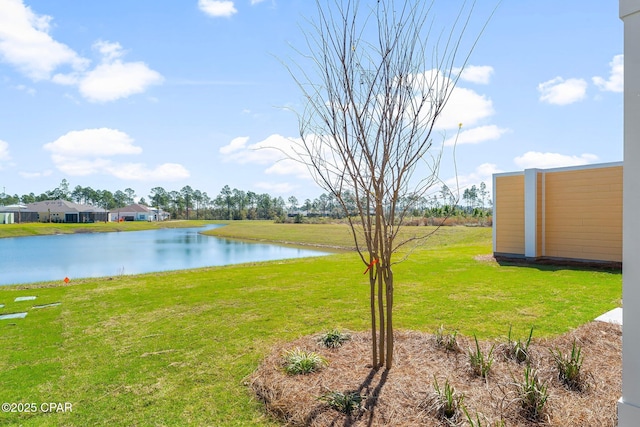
x: 402, y: 396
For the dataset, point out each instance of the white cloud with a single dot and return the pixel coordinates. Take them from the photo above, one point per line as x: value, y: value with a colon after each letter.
x: 289, y: 167
x: 35, y: 175
x: 76, y: 166
x: 89, y: 151
x: 26, y: 44
x: 140, y: 172
x: 483, y: 173
x: 477, y: 135
x: 109, y: 51
x: 480, y: 74
x: 26, y: 89
x: 93, y: 143
x: 236, y: 144
x: 535, y: 159
x: 616, y: 76
x: 114, y: 79
x: 5, y: 156
x: 4, y: 151
x: 562, y: 92
x: 275, y: 152
x: 256, y: 2
x: 69, y: 79
x: 278, y: 188
x: 464, y: 106
x: 217, y: 8
x: 108, y: 82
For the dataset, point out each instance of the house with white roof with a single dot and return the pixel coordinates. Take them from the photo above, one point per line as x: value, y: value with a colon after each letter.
x: 137, y: 212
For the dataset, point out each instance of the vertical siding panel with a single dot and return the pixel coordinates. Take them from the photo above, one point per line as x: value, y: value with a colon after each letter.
x: 539, y: 215
x: 581, y: 210
x: 509, y: 207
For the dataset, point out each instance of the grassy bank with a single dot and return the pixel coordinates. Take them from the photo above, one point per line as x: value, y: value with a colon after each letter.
x: 174, y: 348
x: 340, y: 236
x: 41, y: 228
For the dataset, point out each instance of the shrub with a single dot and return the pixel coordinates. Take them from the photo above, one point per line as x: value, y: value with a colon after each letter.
x: 447, y: 341
x: 518, y: 350
x: 346, y: 403
x: 298, y: 361
x: 480, y: 364
x: 569, y: 367
x: 533, y: 395
x: 446, y: 402
x: 334, y: 338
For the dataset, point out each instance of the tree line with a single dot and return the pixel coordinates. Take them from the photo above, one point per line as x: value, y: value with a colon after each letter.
x: 234, y: 204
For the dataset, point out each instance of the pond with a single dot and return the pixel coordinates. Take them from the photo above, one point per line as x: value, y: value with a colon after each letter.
x: 45, y: 258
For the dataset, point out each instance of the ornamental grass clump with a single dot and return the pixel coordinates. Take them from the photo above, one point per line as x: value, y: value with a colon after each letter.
x: 569, y: 367
x: 480, y: 364
x: 300, y: 362
x: 347, y: 402
x: 533, y: 395
x: 477, y: 422
x: 518, y: 350
x: 446, y: 403
x: 447, y: 340
x: 334, y: 338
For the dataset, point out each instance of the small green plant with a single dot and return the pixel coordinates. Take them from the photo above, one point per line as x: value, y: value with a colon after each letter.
x: 346, y: 403
x: 480, y: 364
x: 518, y: 350
x: 569, y: 367
x: 334, y: 338
x: 478, y: 423
x: 446, y: 403
x: 447, y: 340
x: 298, y: 361
x: 533, y: 395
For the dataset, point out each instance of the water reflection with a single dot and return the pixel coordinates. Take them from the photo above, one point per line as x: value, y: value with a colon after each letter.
x: 40, y: 258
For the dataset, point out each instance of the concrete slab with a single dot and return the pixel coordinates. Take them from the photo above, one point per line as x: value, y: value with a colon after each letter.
x: 54, y: 304
x: 613, y: 316
x: 24, y: 299
x: 13, y: 316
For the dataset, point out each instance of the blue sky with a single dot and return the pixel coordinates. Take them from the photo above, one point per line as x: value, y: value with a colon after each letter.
x: 139, y: 94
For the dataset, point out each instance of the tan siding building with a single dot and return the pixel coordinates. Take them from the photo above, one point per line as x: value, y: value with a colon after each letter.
x: 509, y: 207
x: 565, y: 213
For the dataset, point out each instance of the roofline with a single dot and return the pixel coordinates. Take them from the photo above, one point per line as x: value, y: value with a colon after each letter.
x: 565, y: 168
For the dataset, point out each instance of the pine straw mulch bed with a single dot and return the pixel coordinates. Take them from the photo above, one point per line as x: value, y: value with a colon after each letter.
x: 401, y: 396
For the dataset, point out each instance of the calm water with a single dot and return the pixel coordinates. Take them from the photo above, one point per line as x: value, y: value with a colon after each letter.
x: 43, y: 258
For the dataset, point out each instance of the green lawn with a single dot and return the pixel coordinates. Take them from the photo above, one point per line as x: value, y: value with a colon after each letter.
x: 174, y: 348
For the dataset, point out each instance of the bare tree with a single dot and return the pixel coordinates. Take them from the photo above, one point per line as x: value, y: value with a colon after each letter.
x: 374, y: 89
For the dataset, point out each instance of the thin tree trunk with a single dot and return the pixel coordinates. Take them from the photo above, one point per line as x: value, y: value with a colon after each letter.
x: 380, y: 254
x: 389, y: 283
x: 381, y: 342
x: 374, y: 343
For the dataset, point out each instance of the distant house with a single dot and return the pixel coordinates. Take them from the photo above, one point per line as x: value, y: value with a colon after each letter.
x: 160, y: 215
x: 64, y: 211
x: 138, y: 212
